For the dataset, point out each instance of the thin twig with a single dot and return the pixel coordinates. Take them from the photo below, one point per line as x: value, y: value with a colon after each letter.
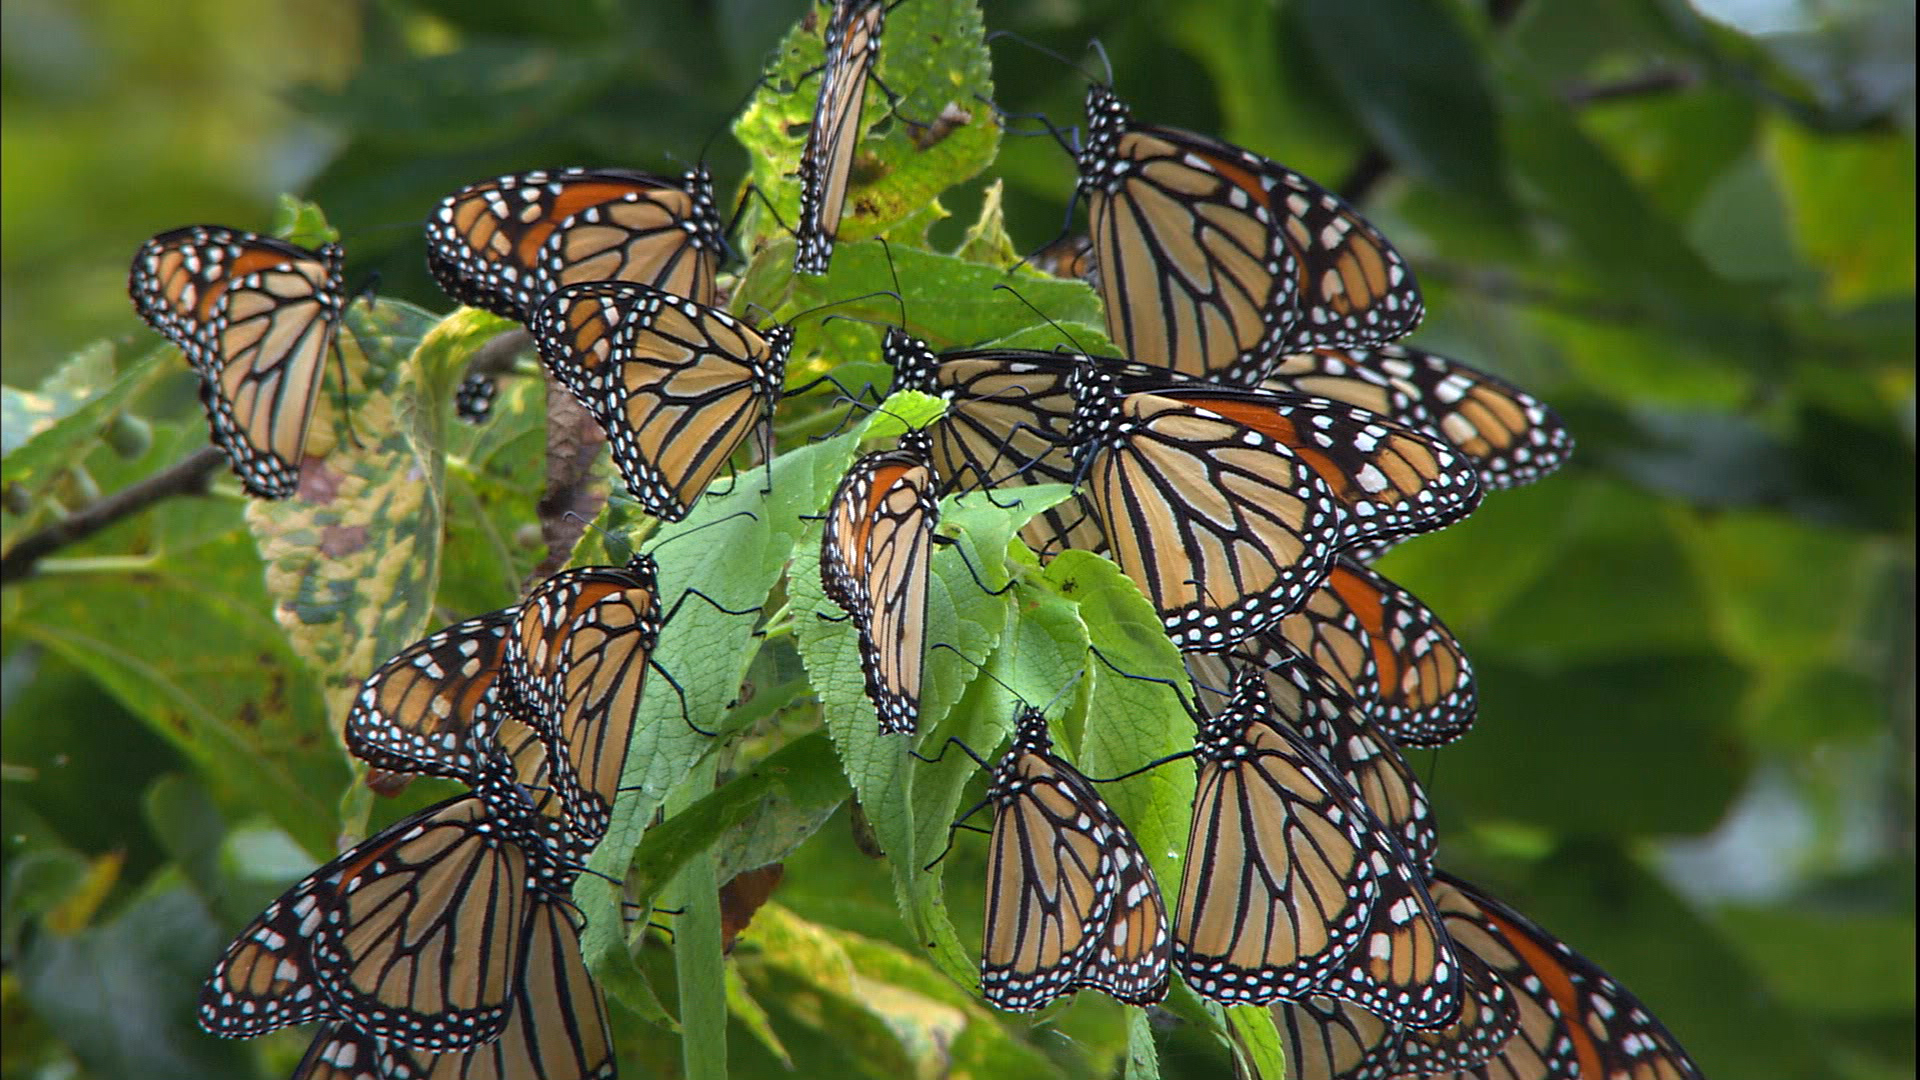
x: 497, y: 356
x: 1366, y: 173
x: 1656, y: 81
x: 186, y: 477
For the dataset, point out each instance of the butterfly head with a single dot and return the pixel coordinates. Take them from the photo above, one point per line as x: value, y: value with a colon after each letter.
x: 913, y: 361
x: 1099, y: 158
x: 1096, y: 397
x: 1030, y: 738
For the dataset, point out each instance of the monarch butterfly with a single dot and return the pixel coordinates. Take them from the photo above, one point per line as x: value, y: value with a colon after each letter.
x: 1391, y: 652
x: 1008, y: 410
x: 874, y: 560
x: 434, y: 706
x: 1310, y: 702
x: 853, y: 47
x: 1512, y: 437
x: 413, y: 935
x: 448, y: 705
x: 505, y: 244
x: 1292, y: 886
x: 1007, y: 419
x: 1215, y: 261
x: 1071, y: 900
x: 1572, y: 1020
x: 1327, y: 1038
x: 557, y: 1029
x: 583, y: 642
x: 677, y: 385
x: 255, y: 317
x: 1226, y: 506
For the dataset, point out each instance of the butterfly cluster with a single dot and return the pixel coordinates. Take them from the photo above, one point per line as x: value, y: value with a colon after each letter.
x: 1263, y: 435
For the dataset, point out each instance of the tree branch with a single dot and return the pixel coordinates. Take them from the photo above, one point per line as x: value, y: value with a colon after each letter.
x: 496, y: 357
x: 189, y: 476
x: 571, y: 500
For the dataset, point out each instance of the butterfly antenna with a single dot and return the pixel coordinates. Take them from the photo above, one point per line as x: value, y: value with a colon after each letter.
x: 1015, y: 694
x: 798, y: 315
x: 655, y: 549
x: 1017, y: 39
x: 899, y: 294
x: 1068, y: 139
x: 1101, y: 51
x: 1191, y: 709
x: 1077, y: 347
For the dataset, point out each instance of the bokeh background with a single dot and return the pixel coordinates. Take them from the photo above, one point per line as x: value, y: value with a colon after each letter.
x: 1688, y: 226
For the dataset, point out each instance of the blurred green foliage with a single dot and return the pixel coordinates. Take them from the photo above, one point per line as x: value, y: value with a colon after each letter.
x: 1689, y: 227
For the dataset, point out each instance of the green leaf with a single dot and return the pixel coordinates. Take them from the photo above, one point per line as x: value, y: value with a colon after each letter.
x: 53, y: 428
x: 1417, y: 82
x: 457, y: 98
x: 1131, y: 721
x: 935, y: 57
x: 1143, y: 1059
x: 800, y: 779
x: 911, y: 804
x: 1656, y: 723
x: 1826, y: 962
x: 1864, y: 244
x: 1259, y: 1040
x: 248, y: 714
x: 140, y: 971
x: 949, y: 302
x: 354, y: 556
x: 987, y: 241
x: 701, y: 971
x: 735, y: 560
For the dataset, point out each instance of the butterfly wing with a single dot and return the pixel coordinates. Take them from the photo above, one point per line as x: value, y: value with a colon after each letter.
x: 874, y: 561
x: 1282, y: 871
x: 677, y: 385
x: 1574, y: 1019
x: 1313, y: 704
x: 1391, y: 652
x: 826, y: 162
x: 1512, y: 437
x: 433, y: 707
x: 412, y: 935
x: 557, y: 1031
x: 1223, y: 528
x: 256, y: 318
x: 505, y: 244
x: 1392, y: 480
x: 584, y: 641
x: 1071, y: 901
x: 1215, y: 261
